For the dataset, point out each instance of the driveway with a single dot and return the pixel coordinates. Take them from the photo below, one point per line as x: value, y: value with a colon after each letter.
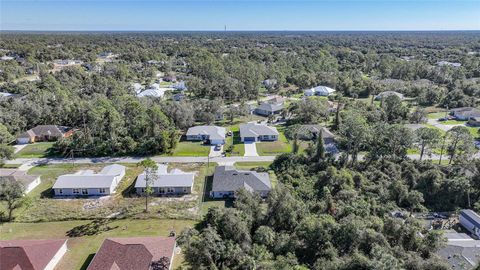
x: 19, y: 147
x: 215, y: 153
x: 438, y: 124
x: 250, y: 149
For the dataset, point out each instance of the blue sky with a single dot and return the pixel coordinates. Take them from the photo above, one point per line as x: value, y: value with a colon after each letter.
x: 240, y: 15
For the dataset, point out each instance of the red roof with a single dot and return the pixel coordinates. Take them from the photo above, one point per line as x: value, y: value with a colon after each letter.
x: 133, y: 253
x: 28, y: 254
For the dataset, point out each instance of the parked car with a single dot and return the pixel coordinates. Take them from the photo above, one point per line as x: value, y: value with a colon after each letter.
x: 229, y: 133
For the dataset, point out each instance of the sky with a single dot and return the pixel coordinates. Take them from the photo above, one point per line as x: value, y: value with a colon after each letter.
x: 237, y: 15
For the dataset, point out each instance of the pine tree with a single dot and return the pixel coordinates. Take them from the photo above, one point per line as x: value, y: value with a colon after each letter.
x: 320, y: 147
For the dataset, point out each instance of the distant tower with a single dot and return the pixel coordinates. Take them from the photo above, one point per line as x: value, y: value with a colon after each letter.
x: 225, y: 28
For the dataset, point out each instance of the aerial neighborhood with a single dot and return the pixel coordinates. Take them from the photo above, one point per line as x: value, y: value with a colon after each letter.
x: 255, y: 150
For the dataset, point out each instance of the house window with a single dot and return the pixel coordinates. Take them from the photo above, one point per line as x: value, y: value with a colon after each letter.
x: 143, y: 190
x: 170, y: 190
x: 84, y: 191
x: 161, y: 190
x: 76, y: 191
x: 101, y: 190
x: 60, y: 191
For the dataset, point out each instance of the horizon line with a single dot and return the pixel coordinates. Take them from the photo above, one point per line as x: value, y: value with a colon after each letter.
x: 259, y: 30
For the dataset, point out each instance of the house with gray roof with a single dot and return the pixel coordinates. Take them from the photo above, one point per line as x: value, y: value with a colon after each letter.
x: 44, y: 133
x: 209, y: 134
x: 175, y: 182
x: 227, y: 180
x: 89, y: 183
x: 269, y: 108
x: 29, y: 182
x: 386, y: 94
x: 253, y: 132
x: 466, y: 113
x: 319, y: 91
x: 310, y: 132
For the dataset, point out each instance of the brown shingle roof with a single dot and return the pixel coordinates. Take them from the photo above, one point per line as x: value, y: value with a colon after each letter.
x: 132, y: 253
x: 28, y: 254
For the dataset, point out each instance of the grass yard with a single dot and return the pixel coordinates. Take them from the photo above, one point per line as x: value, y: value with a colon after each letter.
x: 436, y: 115
x: 247, y: 165
x: 191, y: 149
x: 282, y: 145
x: 10, y: 166
x: 35, y: 150
x: 123, y: 204
x: 452, y: 122
x: 82, y: 249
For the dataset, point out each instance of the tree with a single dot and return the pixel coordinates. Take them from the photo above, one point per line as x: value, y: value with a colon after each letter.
x: 11, y: 192
x: 354, y: 133
x: 6, y: 151
x: 427, y: 138
x: 461, y: 143
x: 320, y: 153
x: 150, y: 177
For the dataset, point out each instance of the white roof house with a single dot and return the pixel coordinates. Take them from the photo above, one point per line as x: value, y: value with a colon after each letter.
x: 87, y: 182
x: 319, y: 91
x: 215, y: 134
x: 155, y: 91
x: 174, y: 182
x: 252, y: 132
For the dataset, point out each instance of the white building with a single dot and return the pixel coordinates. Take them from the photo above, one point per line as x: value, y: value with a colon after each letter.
x: 175, y: 182
x: 319, y: 91
x: 88, y: 183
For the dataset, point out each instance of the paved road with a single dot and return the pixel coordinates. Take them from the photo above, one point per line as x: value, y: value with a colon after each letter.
x: 223, y: 160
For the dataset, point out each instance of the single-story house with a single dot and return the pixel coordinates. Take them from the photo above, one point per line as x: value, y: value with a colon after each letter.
x: 175, y: 182
x: 253, y: 132
x: 465, y: 113
x: 139, y: 253
x: 210, y: 134
x: 89, y: 183
x: 470, y: 221
x: 29, y: 182
x: 310, y: 132
x: 227, y: 180
x: 42, y: 254
x: 170, y: 78
x: 447, y: 63
x: 155, y: 91
x: 319, y: 91
x: 269, y: 83
x: 267, y: 108
x: 44, y: 133
x: 386, y: 94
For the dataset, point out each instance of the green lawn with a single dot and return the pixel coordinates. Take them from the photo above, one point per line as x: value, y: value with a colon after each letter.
x: 191, y: 149
x: 10, y: 166
x: 247, y: 165
x: 124, y: 203
x: 35, y: 150
x: 165, y: 84
x: 82, y: 249
x: 436, y: 115
x: 282, y: 145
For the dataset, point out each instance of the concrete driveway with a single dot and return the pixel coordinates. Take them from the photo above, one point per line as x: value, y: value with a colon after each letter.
x: 250, y: 149
x: 215, y: 153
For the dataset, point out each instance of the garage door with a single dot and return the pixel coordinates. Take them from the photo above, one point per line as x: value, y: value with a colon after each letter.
x: 249, y: 139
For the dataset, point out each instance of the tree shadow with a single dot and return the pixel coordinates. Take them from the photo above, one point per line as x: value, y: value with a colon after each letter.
x: 87, y: 261
x: 162, y: 264
x: 95, y: 227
